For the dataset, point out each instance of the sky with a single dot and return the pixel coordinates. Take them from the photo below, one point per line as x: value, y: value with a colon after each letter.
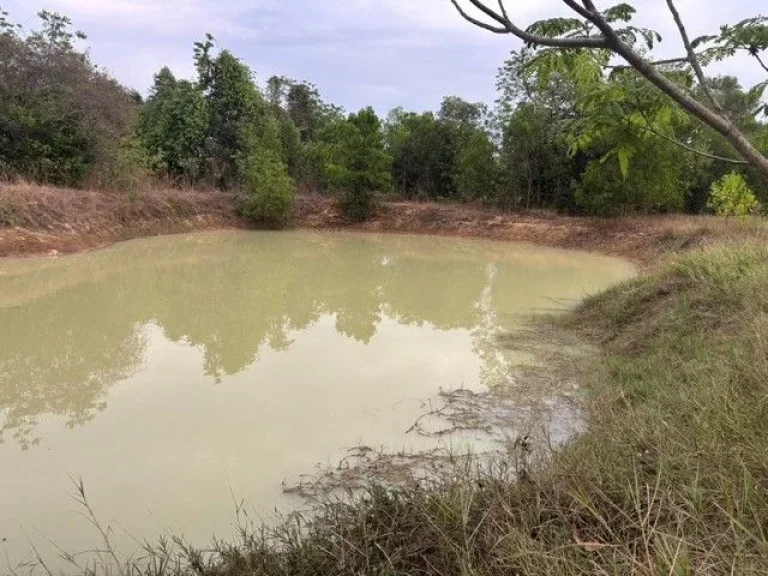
x: 383, y: 53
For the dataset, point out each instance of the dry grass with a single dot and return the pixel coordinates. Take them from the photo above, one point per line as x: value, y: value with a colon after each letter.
x: 37, y: 218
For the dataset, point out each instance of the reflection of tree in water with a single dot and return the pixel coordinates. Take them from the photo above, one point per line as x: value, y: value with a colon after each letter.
x: 79, y: 331
x: 495, y: 364
x: 61, y: 355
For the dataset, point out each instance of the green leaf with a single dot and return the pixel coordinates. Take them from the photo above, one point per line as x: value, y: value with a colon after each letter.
x: 620, y: 13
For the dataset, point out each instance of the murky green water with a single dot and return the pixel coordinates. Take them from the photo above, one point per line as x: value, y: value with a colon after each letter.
x: 174, y: 373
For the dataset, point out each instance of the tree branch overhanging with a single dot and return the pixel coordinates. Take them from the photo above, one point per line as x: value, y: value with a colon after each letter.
x: 583, y: 12
x: 610, y: 39
x: 507, y: 26
x: 651, y: 130
x: 760, y: 61
x: 693, y: 59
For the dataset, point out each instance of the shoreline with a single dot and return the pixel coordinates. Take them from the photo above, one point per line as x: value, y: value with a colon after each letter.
x: 52, y: 221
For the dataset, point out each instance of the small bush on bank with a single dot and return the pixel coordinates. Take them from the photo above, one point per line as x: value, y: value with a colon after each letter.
x: 732, y: 196
x: 7, y: 214
x: 269, y: 191
x: 356, y: 205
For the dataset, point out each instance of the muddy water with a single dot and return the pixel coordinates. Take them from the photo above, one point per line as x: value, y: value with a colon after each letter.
x: 177, y: 375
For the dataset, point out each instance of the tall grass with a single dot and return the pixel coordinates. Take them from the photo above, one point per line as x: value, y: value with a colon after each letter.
x: 670, y: 479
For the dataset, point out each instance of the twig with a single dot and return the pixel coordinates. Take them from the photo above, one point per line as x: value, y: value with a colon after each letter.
x: 649, y: 128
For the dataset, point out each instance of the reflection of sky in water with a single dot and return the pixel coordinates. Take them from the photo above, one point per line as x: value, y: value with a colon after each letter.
x: 164, y: 368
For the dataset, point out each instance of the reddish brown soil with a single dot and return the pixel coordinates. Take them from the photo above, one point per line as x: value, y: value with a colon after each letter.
x: 37, y: 219
x: 640, y: 239
x: 40, y: 219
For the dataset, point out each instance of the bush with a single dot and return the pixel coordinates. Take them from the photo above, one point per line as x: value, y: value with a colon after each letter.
x: 731, y: 196
x: 128, y: 170
x: 357, y: 205
x: 269, y: 190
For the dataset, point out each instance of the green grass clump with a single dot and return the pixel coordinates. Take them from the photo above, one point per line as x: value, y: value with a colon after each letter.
x: 670, y: 479
x: 7, y: 214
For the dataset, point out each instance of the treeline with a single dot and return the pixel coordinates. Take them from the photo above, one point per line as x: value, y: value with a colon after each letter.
x: 563, y: 135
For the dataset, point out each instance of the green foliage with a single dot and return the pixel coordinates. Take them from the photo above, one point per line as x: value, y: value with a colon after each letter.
x: 448, y: 156
x: 654, y: 184
x: 269, y: 190
x: 570, y: 132
x: 62, y: 120
x: 459, y: 112
x: 173, y: 125
x: 220, y: 130
x: 235, y: 106
x: 731, y: 196
x: 535, y: 157
x: 424, y: 154
x: 290, y: 142
x: 131, y: 168
x: 750, y: 36
x: 478, y: 174
x: 358, y: 165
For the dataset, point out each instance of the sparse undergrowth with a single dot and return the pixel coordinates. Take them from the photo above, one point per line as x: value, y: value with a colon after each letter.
x: 670, y: 478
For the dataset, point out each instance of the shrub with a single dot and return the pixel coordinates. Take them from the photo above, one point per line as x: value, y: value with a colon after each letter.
x: 357, y: 205
x: 731, y: 196
x: 128, y: 170
x: 269, y: 190
x: 653, y: 183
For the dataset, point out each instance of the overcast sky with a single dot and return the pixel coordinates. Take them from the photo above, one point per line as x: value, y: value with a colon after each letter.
x: 359, y: 52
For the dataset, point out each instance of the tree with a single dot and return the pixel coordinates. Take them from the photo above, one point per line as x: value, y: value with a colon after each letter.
x: 62, y: 120
x: 536, y: 114
x: 423, y: 149
x: 458, y: 111
x: 535, y: 156
x: 478, y: 175
x: 173, y: 124
x: 236, y: 110
x: 743, y: 108
x: 610, y: 32
x: 359, y: 165
x: 301, y: 105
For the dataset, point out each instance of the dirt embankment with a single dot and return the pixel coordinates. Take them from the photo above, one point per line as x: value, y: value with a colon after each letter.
x: 38, y: 219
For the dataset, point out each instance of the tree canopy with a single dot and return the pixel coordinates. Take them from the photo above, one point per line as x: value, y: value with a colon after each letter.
x: 573, y: 128
x: 595, y: 35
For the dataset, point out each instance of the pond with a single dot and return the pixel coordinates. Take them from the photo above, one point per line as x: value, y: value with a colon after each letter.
x: 178, y: 375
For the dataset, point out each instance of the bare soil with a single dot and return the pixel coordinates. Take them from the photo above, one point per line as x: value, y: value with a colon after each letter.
x: 39, y: 219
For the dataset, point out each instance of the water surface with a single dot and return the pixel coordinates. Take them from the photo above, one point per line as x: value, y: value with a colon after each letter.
x: 175, y: 375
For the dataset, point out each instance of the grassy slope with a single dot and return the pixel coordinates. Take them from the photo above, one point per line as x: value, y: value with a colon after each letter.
x: 672, y: 477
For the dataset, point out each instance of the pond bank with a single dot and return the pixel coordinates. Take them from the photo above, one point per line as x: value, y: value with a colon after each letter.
x: 38, y: 220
